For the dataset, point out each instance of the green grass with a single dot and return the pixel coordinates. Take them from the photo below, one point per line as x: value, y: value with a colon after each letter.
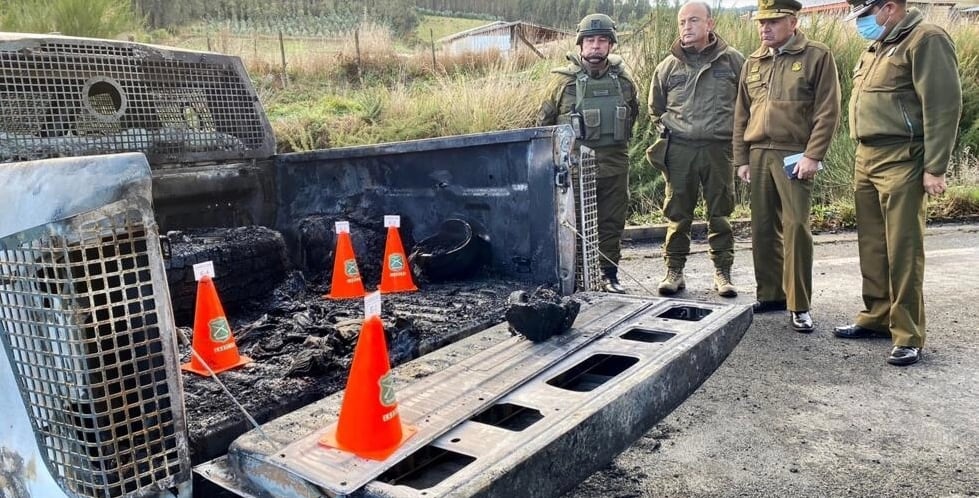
x: 92, y: 18
x: 444, y: 26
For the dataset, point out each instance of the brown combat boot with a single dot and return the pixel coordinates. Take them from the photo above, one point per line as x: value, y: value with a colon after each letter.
x: 672, y: 282
x: 723, y: 284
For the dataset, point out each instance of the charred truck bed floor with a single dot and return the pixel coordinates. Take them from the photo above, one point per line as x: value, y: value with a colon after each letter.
x: 302, y: 343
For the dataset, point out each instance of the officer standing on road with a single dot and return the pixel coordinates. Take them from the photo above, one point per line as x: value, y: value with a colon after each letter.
x: 691, y: 101
x: 597, y: 97
x: 904, y: 113
x: 788, y: 103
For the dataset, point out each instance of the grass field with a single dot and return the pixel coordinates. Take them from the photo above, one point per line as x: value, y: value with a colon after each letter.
x: 444, y: 26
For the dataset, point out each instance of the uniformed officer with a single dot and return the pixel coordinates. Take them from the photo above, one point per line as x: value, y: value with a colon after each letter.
x: 691, y: 101
x: 904, y: 113
x: 597, y: 96
x: 788, y: 104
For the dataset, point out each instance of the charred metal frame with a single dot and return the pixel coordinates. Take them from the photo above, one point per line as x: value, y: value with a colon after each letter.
x: 495, y: 423
x: 86, y: 325
x: 63, y: 96
x: 587, y: 268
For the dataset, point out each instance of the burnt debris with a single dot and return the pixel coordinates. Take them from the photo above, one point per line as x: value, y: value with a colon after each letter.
x: 540, y: 314
x: 249, y: 262
x: 302, y: 344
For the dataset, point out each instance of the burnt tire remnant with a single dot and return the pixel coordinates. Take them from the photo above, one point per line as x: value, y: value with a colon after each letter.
x: 249, y: 262
x: 540, y: 314
x: 459, y: 250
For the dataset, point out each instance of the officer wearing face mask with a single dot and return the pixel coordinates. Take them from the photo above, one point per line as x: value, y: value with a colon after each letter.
x: 904, y: 113
x: 597, y: 96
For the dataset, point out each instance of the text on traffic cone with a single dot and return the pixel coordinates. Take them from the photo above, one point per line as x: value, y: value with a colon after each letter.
x: 369, y: 425
x: 213, y: 339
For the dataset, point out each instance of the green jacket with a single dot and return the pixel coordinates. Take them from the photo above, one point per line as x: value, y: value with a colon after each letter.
x: 906, y: 88
x: 693, y: 95
x: 561, y: 95
x: 789, y: 101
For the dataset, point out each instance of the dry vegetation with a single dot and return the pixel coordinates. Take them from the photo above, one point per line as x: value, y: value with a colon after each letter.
x: 366, y: 87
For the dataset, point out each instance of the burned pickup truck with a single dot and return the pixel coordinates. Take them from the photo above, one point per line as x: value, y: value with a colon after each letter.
x: 122, y: 164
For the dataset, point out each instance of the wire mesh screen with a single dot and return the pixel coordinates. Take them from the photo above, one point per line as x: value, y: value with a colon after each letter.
x: 62, y: 97
x: 80, y: 322
x: 587, y: 271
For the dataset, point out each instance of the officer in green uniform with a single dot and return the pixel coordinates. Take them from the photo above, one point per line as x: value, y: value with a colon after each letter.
x: 691, y: 101
x: 788, y: 104
x: 904, y: 113
x: 597, y: 97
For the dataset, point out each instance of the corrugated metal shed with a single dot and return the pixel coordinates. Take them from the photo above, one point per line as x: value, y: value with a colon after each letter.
x: 501, y: 36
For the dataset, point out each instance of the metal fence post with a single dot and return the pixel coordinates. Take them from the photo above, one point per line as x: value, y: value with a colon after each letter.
x: 431, y: 34
x: 282, y: 50
x: 360, y: 71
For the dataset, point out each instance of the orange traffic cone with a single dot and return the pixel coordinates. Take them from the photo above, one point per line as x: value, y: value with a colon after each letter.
x: 396, y: 276
x: 369, y: 425
x: 346, y: 276
x: 213, y: 340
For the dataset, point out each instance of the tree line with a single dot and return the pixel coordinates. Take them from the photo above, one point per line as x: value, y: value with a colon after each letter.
x: 555, y: 13
x: 400, y: 15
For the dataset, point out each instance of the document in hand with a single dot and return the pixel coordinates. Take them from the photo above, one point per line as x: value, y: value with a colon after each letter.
x: 791, y: 161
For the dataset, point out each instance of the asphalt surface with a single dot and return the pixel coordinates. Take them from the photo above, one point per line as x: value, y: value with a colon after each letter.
x: 802, y: 415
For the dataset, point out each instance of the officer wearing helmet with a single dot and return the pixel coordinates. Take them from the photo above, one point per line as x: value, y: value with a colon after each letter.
x: 596, y: 95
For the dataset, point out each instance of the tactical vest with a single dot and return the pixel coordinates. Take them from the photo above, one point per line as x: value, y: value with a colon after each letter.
x: 604, y: 113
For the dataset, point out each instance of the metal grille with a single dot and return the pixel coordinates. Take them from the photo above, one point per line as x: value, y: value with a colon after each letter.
x: 587, y: 272
x: 80, y: 322
x: 63, y: 97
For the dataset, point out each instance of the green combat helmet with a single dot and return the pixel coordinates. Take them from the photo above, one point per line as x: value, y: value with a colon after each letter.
x: 596, y: 24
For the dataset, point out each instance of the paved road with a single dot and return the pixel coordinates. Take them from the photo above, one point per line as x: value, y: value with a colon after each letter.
x: 798, y: 415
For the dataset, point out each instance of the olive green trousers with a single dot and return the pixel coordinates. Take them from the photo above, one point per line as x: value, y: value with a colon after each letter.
x: 692, y: 167
x: 781, y: 239
x: 890, y: 206
x: 612, y: 204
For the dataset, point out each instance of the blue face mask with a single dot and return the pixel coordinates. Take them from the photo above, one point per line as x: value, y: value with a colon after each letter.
x: 868, y: 28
